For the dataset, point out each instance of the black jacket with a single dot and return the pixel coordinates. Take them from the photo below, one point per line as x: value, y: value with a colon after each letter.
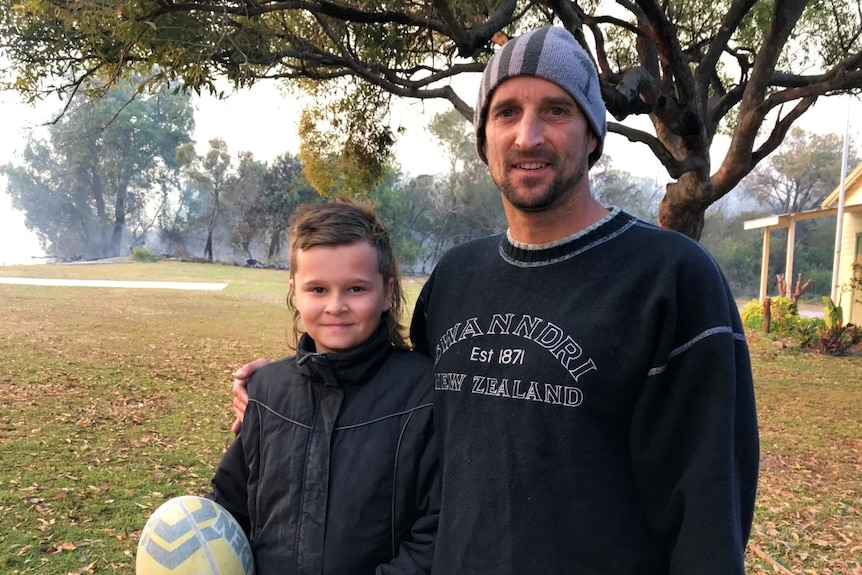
x: 335, y: 468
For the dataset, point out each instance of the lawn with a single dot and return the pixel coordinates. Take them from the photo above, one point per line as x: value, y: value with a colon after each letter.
x: 116, y: 399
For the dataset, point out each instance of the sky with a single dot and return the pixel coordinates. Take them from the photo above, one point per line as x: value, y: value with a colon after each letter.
x: 263, y: 121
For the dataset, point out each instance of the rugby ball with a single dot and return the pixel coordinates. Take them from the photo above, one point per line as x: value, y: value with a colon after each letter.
x: 192, y: 535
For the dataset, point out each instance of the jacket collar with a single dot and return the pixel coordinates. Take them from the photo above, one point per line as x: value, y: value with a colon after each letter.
x: 349, y: 368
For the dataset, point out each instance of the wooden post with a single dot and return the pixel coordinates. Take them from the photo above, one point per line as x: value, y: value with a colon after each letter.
x: 767, y: 313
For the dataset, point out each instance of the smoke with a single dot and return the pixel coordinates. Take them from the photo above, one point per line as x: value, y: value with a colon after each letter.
x: 18, y: 245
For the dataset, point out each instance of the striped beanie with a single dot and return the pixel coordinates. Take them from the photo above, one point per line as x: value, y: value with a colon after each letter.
x: 553, y: 54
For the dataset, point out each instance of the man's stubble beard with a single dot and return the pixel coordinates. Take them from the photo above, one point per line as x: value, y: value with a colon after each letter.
x: 560, y: 187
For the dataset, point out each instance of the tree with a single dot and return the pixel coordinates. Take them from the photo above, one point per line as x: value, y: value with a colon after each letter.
x: 182, y: 219
x: 746, y: 66
x: 241, y: 202
x: 267, y: 209
x: 345, y: 144
x: 394, y: 207
x: 614, y: 187
x: 737, y: 252
x: 467, y: 203
x: 800, y: 174
x: 210, y: 174
x: 94, y: 180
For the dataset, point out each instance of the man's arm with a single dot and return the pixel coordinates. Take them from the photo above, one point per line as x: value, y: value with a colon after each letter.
x: 419, y: 322
x: 694, y: 437
x: 240, y: 389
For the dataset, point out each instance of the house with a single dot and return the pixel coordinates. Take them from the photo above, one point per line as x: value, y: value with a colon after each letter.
x: 848, y: 252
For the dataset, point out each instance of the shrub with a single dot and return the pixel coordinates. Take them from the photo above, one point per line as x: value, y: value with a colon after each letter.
x: 821, y: 281
x: 752, y: 314
x: 806, y: 331
x: 142, y: 254
x: 836, y: 338
x: 839, y: 339
x: 783, y: 311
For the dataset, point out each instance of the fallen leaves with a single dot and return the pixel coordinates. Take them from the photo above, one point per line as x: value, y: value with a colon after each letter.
x: 64, y: 546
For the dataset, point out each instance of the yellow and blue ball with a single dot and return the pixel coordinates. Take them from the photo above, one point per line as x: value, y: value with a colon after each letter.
x: 192, y: 535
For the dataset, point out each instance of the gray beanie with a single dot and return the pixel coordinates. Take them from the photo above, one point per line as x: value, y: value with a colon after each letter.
x: 553, y: 54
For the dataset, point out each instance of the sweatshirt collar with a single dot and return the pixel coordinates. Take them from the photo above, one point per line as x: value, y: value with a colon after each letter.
x: 535, y: 255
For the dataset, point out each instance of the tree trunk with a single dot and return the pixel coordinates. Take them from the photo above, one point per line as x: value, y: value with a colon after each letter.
x: 208, y: 248
x: 274, y: 245
x: 96, y: 189
x: 683, y: 206
x: 119, y: 222
x: 211, y: 223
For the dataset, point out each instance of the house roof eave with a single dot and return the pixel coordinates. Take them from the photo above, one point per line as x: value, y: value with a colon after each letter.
x: 852, y: 188
x: 784, y: 220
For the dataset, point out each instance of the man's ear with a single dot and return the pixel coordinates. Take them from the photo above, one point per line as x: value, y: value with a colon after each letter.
x: 594, y: 142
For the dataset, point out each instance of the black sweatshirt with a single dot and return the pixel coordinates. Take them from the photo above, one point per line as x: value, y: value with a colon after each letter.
x: 594, y: 405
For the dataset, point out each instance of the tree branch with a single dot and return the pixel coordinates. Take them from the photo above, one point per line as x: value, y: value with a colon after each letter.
x: 675, y: 168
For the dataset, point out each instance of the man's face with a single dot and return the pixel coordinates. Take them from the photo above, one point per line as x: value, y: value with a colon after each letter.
x: 537, y: 141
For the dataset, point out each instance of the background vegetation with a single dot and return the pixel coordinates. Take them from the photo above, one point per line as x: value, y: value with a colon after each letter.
x: 117, y: 399
x: 115, y: 175
x: 745, y: 68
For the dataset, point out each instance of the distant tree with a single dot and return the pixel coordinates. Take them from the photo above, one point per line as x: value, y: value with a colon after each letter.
x: 100, y: 170
x: 283, y: 188
x: 814, y: 254
x: 419, y: 215
x: 211, y: 174
x: 614, y: 187
x: 241, y: 203
x: 394, y: 207
x: 467, y: 203
x: 737, y: 252
x: 750, y: 68
x: 800, y: 174
x: 182, y: 219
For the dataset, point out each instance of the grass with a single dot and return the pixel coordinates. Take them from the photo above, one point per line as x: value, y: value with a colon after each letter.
x: 809, y: 508
x: 115, y: 400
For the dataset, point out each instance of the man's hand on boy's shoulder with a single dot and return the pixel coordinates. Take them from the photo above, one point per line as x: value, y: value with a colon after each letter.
x: 240, y: 389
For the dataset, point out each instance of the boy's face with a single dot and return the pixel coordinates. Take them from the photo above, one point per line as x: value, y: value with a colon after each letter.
x: 340, y: 294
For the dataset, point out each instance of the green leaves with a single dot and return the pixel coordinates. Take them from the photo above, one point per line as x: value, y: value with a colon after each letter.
x: 97, y: 174
x: 346, y: 142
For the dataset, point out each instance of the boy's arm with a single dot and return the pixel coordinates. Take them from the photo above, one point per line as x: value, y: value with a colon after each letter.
x: 416, y: 552
x: 230, y: 484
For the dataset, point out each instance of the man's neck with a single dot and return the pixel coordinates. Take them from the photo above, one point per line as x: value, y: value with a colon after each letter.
x: 552, y: 225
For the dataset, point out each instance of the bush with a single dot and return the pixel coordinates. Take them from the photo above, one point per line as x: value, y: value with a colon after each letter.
x: 752, y: 314
x: 839, y: 339
x: 783, y: 311
x: 142, y: 254
x: 807, y: 331
x: 821, y: 281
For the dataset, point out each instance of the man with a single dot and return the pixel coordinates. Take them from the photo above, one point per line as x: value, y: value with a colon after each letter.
x: 594, y: 398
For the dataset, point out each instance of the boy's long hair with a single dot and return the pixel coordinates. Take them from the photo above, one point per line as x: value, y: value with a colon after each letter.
x: 339, y: 223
